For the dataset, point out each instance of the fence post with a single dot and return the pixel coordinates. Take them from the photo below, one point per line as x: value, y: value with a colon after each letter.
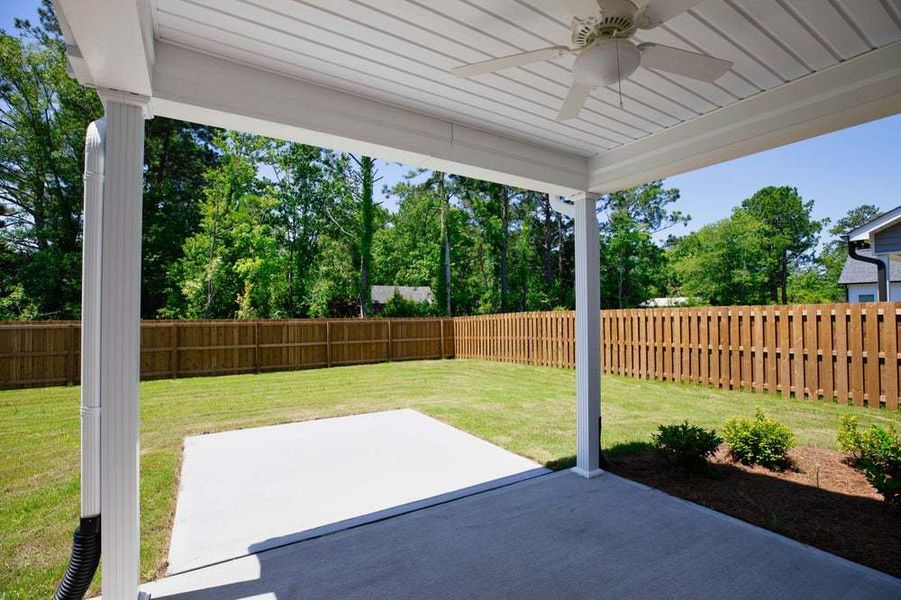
x: 441, y: 321
x: 173, y: 359
x: 390, y: 348
x: 328, y: 343
x: 71, y: 366
x: 256, y: 347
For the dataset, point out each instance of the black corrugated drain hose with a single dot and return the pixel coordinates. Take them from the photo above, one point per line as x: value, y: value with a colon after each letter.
x: 83, y: 562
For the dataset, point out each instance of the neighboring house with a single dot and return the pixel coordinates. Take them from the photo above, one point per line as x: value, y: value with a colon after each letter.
x: 871, y: 271
x: 860, y: 279
x: 665, y: 302
x: 382, y: 293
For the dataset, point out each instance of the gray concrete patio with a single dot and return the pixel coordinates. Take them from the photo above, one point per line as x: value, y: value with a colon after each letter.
x: 252, y: 489
x: 552, y: 536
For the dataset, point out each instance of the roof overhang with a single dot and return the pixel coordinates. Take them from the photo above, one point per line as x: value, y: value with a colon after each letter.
x: 112, y: 46
x: 865, y: 232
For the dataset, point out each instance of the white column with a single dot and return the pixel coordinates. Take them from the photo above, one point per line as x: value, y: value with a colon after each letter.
x: 118, y: 319
x: 588, y: 336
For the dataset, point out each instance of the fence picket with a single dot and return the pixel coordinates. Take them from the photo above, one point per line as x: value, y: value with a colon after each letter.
x: 846, y: 352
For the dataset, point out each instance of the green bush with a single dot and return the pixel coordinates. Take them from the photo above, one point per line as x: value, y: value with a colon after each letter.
x: 687, y: 445
x: 876, y: 452
x: 761, y: 440
x: 398, y: 306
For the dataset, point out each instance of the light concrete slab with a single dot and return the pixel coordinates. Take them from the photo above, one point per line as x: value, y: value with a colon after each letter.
x: 248, y: 490
x: 553, y: 536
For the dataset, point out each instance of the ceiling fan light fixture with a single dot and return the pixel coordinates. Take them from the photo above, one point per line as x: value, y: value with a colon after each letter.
x: 606, y: 62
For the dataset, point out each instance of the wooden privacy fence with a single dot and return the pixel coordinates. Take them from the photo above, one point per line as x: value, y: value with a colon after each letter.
x: 48, y: 353
x: 845, y: 352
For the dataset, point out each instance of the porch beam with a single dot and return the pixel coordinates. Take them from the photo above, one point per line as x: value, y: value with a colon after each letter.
x: 588, y: 335
x: 109, y: 43
x: 204, y: 89
x: 852, y: 92
x: 118, y: 293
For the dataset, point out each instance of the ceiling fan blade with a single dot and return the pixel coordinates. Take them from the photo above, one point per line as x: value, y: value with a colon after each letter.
x: 581, y: 8
x: 659, y: 11
x: 574, y: 102
x: 682, y: 62
x: 508, y: 62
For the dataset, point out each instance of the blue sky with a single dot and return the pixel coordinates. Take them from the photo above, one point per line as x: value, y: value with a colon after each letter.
x: 839, y: 170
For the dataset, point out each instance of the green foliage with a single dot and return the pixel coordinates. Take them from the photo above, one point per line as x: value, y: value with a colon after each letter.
x: 723, y: 263
x: 876, y: 452
x: 398, y: 306
x: 789, y: 234
x: 687, y: 445
x: 632, y: 265
x: 44, y: 116
x: 760, y: 440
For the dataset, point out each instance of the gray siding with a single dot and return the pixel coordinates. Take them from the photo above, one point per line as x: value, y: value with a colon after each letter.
x: 888, y: 240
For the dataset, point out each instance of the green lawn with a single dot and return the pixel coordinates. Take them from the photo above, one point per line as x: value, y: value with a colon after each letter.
x: 529, y: 410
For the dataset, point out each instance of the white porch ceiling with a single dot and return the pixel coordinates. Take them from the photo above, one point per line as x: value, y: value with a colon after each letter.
x: 399, y: 51
x: 801, y: 68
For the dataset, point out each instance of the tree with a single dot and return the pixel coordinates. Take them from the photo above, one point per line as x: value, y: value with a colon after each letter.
x: 233, y: 265
x: 43, y: 117
x: 647, y: 205
x: 724, y: 262
x: 789, y: 231
x: 176, y: 156
x: 305, y: 184
x: 631, y: 263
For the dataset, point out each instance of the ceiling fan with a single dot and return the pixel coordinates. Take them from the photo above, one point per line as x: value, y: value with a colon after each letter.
x: 604, y: 53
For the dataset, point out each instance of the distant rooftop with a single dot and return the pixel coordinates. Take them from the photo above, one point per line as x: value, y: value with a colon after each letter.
x: 382, y: 293
x: 857, y: 271
x: 666, y: 302
x: 883, y: 221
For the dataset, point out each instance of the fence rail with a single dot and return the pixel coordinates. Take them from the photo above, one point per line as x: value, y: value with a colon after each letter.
x: 46, y: 353
x: 845, y: 352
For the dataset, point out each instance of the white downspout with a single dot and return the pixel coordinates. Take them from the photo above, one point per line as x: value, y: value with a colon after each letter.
x: 86, y: 541
x: 95, y: 140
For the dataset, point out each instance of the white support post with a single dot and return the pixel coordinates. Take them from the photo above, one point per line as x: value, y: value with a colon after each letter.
x: 118, y: 293
x: 588, y: 336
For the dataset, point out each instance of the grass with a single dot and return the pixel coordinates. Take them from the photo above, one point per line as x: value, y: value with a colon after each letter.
x: 528, y: 410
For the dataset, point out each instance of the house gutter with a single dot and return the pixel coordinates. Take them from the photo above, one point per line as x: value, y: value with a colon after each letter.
x: 881, y: 279
x: 86, y: 540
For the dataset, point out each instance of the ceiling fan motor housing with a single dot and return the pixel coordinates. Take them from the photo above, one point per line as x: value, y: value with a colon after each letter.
x: 606, y: 62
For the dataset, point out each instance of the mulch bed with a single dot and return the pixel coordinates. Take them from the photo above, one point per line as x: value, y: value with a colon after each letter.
x: 821, y: 500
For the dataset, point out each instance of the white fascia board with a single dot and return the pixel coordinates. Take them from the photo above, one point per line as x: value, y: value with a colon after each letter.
x: 197, y: 87
x: 858, y: 90
x: 866, y: 231
x: 110, y: 43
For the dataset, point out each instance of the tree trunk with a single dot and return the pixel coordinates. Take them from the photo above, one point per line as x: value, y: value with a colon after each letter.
x: 784, y: 277
x: 445, y: 244
x: 547, y: 217
x: 367, y: 214
x: 505, y: 242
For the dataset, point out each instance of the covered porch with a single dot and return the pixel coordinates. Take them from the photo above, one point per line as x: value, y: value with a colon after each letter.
x: 374, y: 78
x: 552, y: 536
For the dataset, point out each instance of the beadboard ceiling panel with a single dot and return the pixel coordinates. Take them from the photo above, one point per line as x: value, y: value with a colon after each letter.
x: 400, y: 51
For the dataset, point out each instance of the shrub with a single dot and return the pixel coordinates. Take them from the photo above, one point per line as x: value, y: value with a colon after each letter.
x: 687, y: 445
x: 398, y: 306
x: 876, y: 452
x: 760, y: 440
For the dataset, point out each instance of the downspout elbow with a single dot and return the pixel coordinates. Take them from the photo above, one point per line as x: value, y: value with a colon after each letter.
x: 881, y: 279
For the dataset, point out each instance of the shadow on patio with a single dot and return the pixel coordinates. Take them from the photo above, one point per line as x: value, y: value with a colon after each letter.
x: 556, y: 535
